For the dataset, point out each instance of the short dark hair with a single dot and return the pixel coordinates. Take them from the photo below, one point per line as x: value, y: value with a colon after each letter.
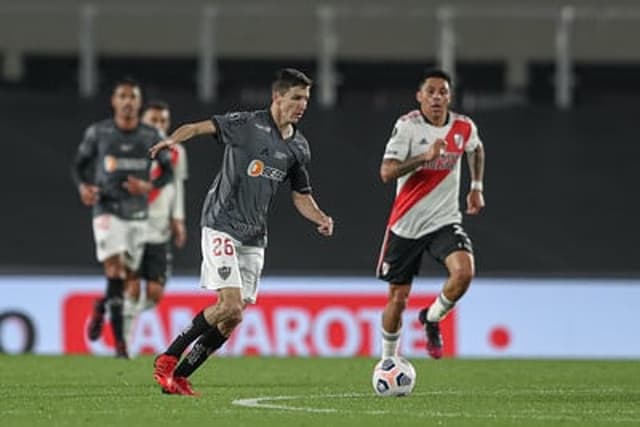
x: 287, y: 78
x: 156, y: 104
x: 437, y: 73
x: 126, y: 81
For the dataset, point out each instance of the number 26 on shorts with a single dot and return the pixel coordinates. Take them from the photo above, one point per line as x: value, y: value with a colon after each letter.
x: 223, y: 245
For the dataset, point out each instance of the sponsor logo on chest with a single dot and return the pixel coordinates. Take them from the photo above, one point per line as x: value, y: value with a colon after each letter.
x: 113, y: 164
x: 257, y: 168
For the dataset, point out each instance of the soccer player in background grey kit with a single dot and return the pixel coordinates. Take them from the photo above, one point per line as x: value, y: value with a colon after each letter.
x: 111, y: 171
x: 262, y: 149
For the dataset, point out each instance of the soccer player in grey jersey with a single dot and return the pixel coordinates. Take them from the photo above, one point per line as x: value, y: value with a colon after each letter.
x: 111, y: 171
x: 262, y: 149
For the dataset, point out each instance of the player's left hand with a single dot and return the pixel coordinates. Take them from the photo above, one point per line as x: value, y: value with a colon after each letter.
x: 136, y: 186
x: 179, y: 232
x: 326, y: 226
x: 475, y: 202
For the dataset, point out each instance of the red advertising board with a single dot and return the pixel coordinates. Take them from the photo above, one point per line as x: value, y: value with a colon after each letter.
x: 280, y: 324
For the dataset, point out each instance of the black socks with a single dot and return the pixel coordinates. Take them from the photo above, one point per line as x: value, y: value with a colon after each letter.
x: 198, y: 326
x: 209, y: 342
x: 114, y: 298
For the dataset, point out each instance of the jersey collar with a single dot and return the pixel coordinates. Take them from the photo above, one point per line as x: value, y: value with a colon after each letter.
x: 446, y: 122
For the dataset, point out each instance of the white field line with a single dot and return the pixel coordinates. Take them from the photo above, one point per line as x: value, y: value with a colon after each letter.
x: 262, y: 402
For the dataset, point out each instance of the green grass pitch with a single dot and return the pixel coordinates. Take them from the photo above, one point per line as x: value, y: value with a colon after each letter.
x: 252, y: 391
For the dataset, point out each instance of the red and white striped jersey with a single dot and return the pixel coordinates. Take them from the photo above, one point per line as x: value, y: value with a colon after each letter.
x: 167, y: 203
x: 427, y: 198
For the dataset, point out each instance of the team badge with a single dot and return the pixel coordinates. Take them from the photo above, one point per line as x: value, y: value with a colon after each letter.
x: 385, y: 268
x: 224, y: 272
x: 458, y: 139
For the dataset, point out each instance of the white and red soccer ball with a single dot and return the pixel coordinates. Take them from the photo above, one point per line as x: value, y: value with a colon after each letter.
x: 393, y: 376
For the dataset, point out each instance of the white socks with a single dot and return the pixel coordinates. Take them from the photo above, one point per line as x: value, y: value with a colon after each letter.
x: 439, y: 309
x: 389, y: 343
x: 130, y: 312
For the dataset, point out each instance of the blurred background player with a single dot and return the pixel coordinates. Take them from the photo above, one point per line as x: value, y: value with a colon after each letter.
x: 112, y: 173
x: 166, y: 219
x: 262, y: 149
x: 423, y: 155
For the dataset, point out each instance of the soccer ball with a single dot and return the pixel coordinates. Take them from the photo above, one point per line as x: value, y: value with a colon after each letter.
x: 393, y: 376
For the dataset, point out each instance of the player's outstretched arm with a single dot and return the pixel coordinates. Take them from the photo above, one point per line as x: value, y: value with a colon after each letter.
x: 309, y: 209
x: 475, y: 198
x: 183, y: 133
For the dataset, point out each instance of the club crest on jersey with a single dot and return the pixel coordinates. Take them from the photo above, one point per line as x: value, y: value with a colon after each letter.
x: 224, y: 272
x: 459, y: 140
x: 263, y: 127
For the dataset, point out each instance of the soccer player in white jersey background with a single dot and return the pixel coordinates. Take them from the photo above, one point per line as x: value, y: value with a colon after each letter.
x: 166, y: 220
x: 423, y: 156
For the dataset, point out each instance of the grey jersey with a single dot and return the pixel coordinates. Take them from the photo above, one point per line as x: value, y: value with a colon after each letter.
x: 256, y: 160
x: 107, y: 155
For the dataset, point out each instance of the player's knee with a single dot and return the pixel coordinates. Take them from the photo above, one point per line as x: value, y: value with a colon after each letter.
x: 155, y: 291
x: 114, y: 268
x: 232, y: 314
x: 133, y: 289
x: 461, y: 276
x: 399, y: 297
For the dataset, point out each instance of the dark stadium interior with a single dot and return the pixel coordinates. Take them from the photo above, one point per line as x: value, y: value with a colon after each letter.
x: 560, y: 185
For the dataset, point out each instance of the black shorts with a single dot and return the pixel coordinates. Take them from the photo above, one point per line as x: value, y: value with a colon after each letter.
x: 156, y: 262
x: 401, y: 258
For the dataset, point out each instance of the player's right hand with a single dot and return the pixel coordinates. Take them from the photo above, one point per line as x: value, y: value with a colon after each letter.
x: 166, y: 143
x: 179, y: 232
x: 326, y: 226
x: 89, y: 194
x: 136, y: 186
x: 438, y: 148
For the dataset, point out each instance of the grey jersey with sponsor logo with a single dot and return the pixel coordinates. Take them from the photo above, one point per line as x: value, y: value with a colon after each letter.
x: 107, y: 155
x: 256, y: 160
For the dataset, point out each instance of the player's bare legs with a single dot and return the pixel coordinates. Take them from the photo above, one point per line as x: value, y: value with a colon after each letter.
x: 228, y: 310
x: 392, y: 317
x: 155, y: 291
x: 461, y: 271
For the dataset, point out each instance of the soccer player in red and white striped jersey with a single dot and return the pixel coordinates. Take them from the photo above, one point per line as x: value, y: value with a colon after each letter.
x: 423, y: 157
